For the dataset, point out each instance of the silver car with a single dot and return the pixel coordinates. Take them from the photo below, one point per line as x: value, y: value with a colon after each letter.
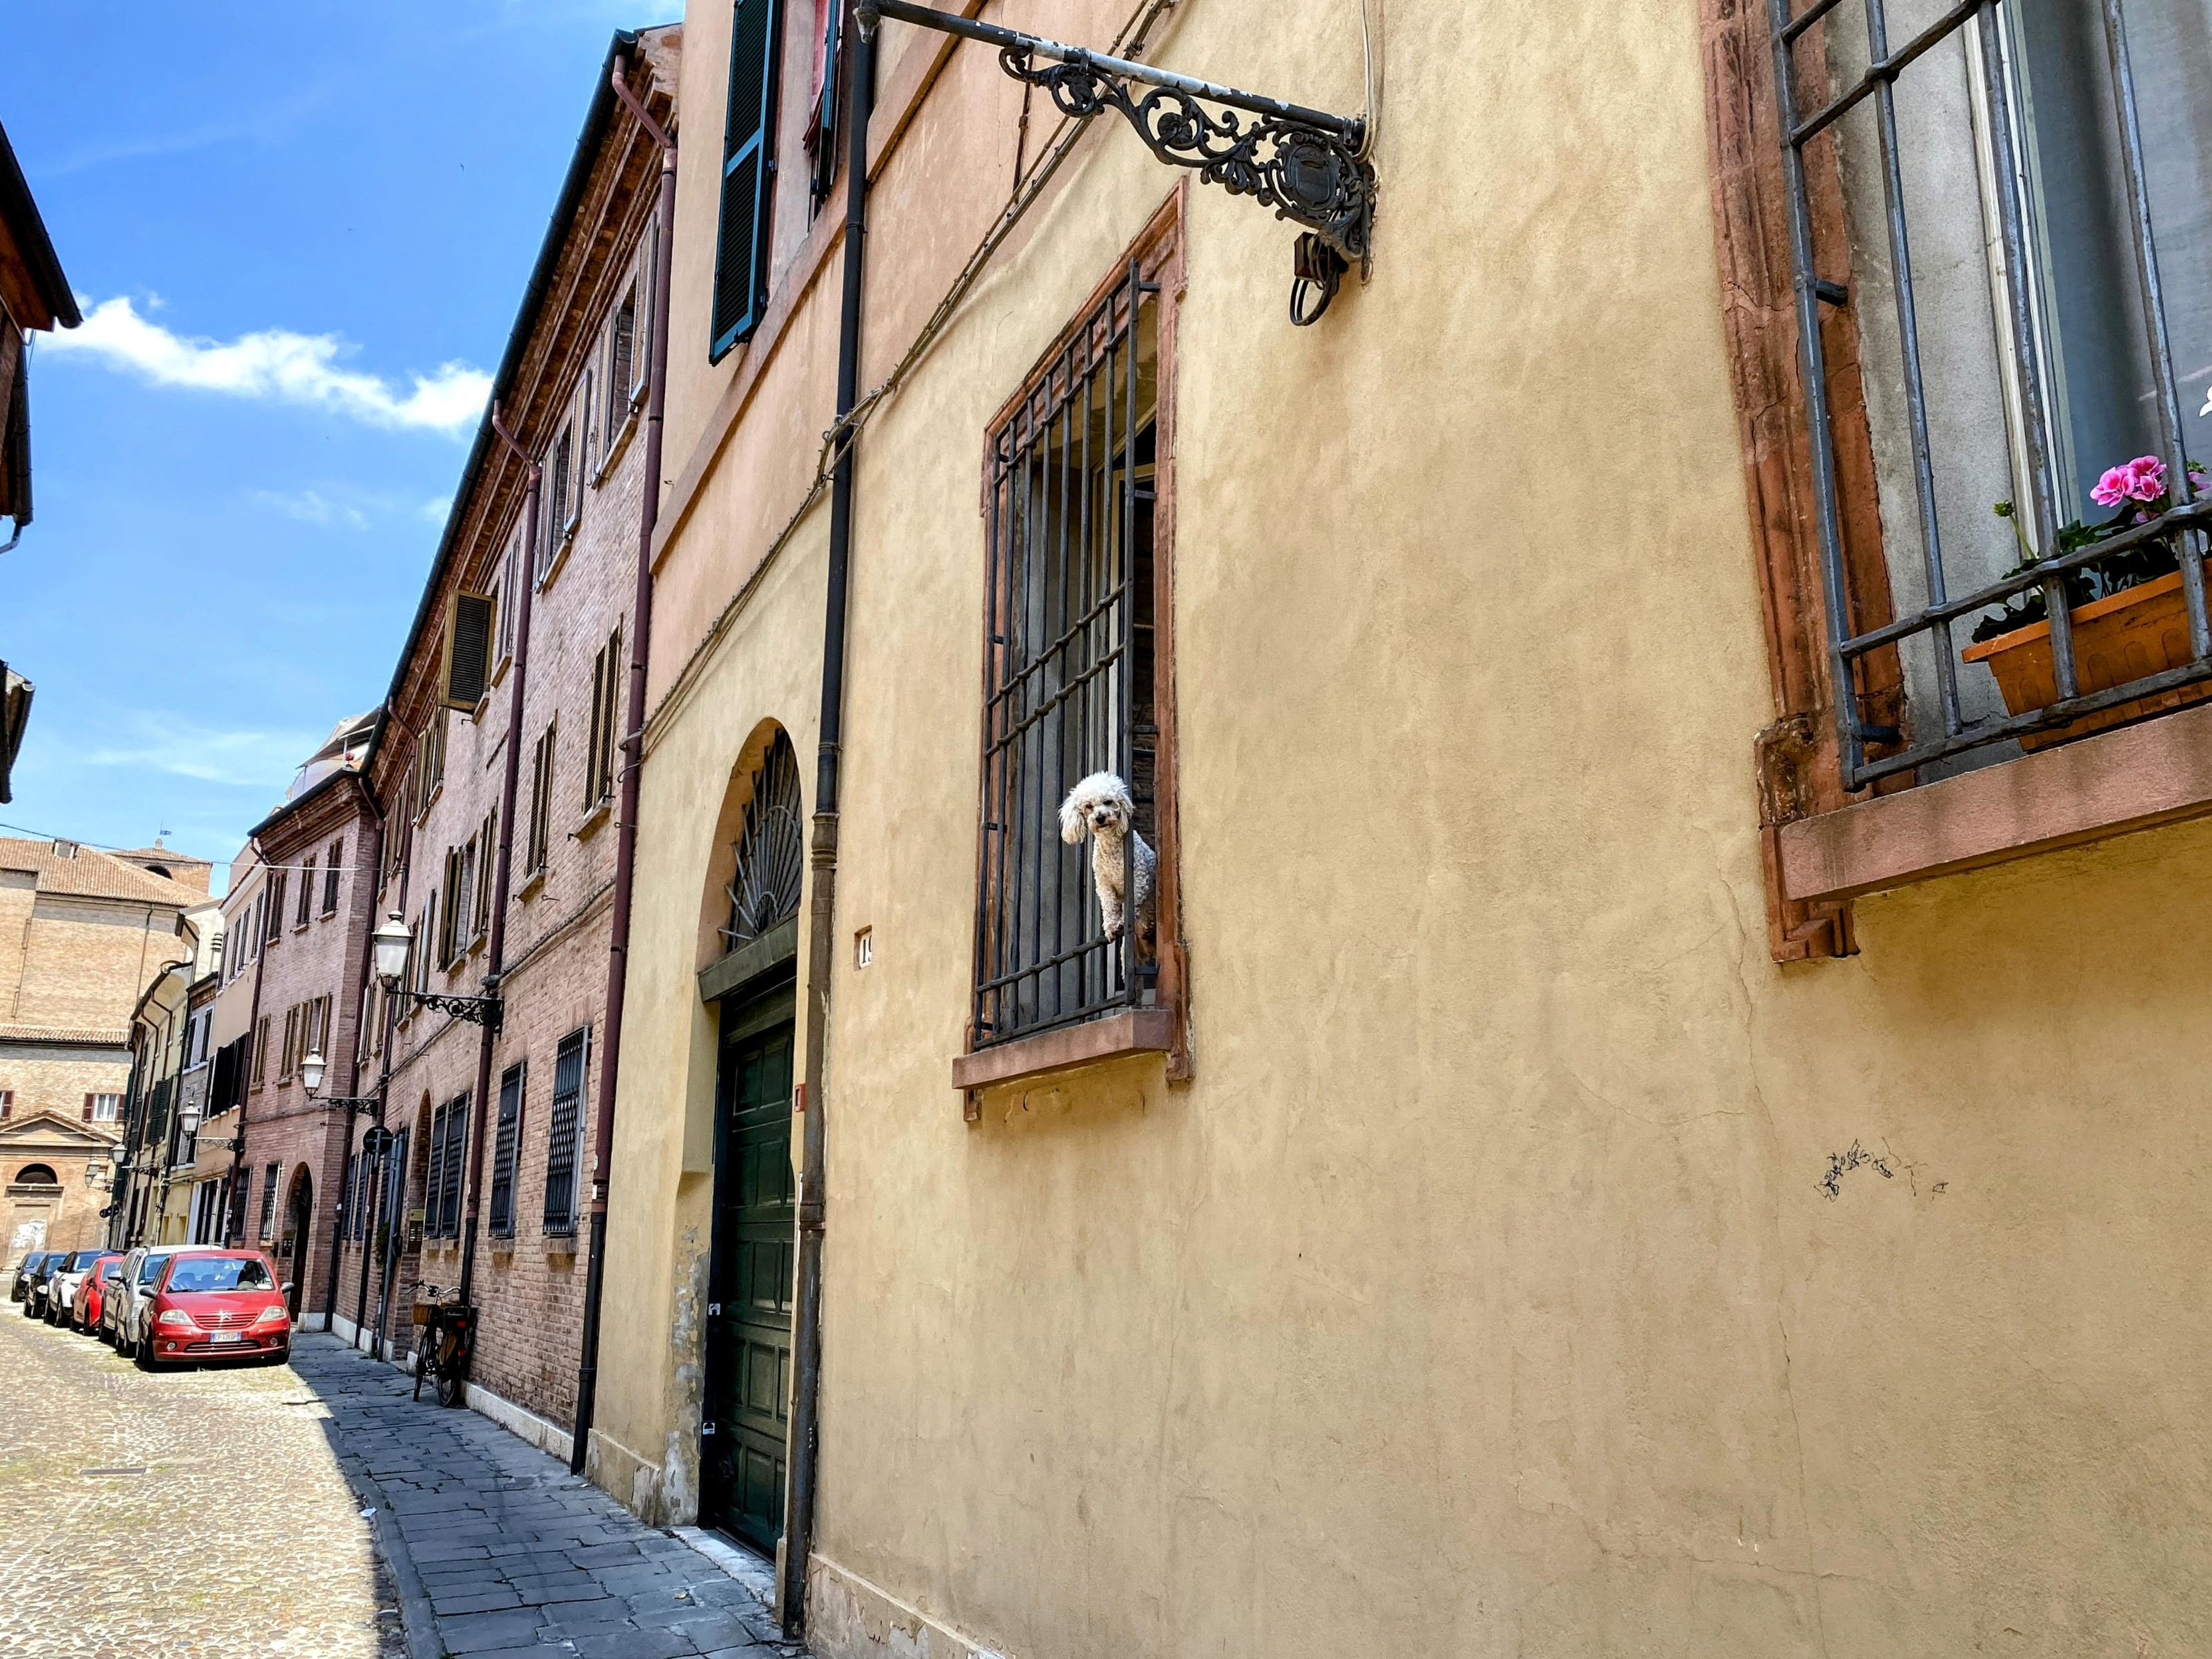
x: 124, y: 1314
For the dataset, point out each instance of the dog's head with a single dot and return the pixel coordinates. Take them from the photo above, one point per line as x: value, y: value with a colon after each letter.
x: 1100, y: 804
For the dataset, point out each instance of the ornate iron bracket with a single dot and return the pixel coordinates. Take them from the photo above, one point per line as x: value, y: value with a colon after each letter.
x: 1306, y: 164
x: 478, y: 1010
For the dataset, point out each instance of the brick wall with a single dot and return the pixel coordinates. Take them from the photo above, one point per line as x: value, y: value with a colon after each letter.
x: 529, y: 1282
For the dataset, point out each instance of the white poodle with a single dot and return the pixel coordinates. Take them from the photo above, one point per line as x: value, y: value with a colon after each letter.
x: 1100, y: 806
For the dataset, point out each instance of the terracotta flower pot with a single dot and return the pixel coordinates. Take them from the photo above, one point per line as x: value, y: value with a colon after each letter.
x: 2143, y: 630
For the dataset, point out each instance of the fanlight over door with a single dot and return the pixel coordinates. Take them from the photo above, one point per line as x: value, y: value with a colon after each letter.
x: 771, y: 851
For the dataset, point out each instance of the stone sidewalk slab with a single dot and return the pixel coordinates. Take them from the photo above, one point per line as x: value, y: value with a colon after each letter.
x: 498, y: 1551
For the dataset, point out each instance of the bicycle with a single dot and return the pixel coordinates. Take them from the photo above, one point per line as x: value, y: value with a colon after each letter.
x: 442, y: 1352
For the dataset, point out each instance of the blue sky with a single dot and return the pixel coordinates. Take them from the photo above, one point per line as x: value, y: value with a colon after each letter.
x: 306, y: 233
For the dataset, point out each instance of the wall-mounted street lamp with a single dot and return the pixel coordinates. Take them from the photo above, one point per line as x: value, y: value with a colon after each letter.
x: 390, y: 946
x: 311, y: 1074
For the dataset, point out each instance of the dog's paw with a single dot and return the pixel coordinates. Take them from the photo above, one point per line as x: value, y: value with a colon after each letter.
x: 1114, y: 930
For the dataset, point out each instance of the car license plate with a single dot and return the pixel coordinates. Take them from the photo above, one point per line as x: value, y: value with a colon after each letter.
x: 226, y: 1336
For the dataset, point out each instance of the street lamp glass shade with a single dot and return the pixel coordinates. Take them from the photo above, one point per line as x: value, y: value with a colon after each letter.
x: 390, y: 943
x: 311, y: 1070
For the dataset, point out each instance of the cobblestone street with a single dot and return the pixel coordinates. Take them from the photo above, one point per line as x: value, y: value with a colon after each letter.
x: 182, y: 1513
x: 315, y: 1510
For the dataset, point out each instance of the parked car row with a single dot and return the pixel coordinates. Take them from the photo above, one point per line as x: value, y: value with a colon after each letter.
x: 164, y: 1303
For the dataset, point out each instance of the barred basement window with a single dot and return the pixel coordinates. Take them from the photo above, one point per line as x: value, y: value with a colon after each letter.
x: 503, y: 1152
x: 2014, y: 192
x: 1074, y: 686
x: 563, y: 1131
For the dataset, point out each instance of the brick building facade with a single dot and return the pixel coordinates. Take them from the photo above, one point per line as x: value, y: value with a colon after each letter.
x: 271, y: 1160
x: 570, y: 389
x: 81, y: 932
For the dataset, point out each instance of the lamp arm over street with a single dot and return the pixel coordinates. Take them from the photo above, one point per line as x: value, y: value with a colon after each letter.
x: 1309, y: 165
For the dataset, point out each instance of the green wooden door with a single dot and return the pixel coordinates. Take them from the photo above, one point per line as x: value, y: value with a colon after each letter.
x: 748, y: 1374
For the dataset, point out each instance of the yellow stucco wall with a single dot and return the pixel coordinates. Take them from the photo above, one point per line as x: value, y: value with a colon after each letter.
x: 1482, y: 1294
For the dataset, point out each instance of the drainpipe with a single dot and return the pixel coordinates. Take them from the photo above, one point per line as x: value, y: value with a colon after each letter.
x: 384, y: 1071
x: 232, y: 1211
x: 496, y: 951
x: 633, y: 747
x: 382, y: 1346
x: 346, y: 1192
x: 821, y: 949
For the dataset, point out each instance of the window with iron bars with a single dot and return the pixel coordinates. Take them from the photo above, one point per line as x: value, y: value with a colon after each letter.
x: 1071, y: 672
x: 501, y: 1218
x: 563, y: 1131
x: 441, y: 1202
x: 269, y: 1175
x: 2012, y: 189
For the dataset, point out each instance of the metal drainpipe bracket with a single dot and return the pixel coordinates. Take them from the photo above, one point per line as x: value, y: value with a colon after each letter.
x: 1305, y: 164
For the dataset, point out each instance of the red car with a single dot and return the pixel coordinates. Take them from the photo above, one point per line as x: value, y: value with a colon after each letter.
x: 217, y: 1304
x: 99, y: 1281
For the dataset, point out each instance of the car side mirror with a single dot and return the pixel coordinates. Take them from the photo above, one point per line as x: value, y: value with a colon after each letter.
x: 286, y: 1287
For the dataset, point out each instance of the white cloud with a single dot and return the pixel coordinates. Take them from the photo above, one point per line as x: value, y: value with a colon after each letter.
x: 437, y: 508
x: 275, y: 363
x: 179, y: 748
x: 309, y: 506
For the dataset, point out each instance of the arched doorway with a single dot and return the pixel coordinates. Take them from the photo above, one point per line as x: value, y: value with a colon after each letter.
x: 299, y: 1218
x: 746, y: 1417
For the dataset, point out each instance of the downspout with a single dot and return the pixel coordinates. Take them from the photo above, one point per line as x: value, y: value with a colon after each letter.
x: 383, y: 1068
x: 633, y: 748
x: 806, y: 1332
x: 233, y: 1212
x: 348, y: 1191
x: 496, y: 951
x: 385, y: 1258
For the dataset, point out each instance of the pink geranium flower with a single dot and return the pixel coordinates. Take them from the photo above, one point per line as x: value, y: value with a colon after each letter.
x: 2142, y: 479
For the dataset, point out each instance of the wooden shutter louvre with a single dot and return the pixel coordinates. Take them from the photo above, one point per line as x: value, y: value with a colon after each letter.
x: 88, y: 1108
x: 469, y: 623
x: 748, y: 176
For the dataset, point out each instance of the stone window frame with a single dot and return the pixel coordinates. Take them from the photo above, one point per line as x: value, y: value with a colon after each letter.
x: 1821, y: 847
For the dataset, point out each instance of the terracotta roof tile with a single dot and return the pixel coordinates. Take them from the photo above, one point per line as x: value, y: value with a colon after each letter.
x: 106, y: 1035
x: 91, y: 874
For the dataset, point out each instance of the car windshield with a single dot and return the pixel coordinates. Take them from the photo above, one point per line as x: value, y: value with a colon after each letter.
x: 112, y: 1270
x: 82, y: 1260
x: 218, y: 1272
x: 150, y: 1269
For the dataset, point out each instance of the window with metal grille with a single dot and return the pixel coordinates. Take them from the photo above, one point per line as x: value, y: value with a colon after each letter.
x: 2013, y: 190
x: 563, y: 1131
x: 1069, y: 668
x: 503, y: 1152
x: 268, y: 1175
x: 441, y: 1205
x: 741, y: 240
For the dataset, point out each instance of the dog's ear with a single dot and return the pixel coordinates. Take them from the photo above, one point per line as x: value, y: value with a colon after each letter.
x: 1071, y: 819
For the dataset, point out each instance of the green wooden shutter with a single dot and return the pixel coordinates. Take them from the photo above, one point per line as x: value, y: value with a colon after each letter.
x: 748, y: 173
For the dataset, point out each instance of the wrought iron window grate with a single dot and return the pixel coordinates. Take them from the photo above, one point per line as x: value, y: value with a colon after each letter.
x: 1989, y: 46
x: 1068, y: 666
x: 563, y: 1131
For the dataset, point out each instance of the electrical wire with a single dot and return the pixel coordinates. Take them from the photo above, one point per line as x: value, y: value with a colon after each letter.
x: 1066, y: 137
